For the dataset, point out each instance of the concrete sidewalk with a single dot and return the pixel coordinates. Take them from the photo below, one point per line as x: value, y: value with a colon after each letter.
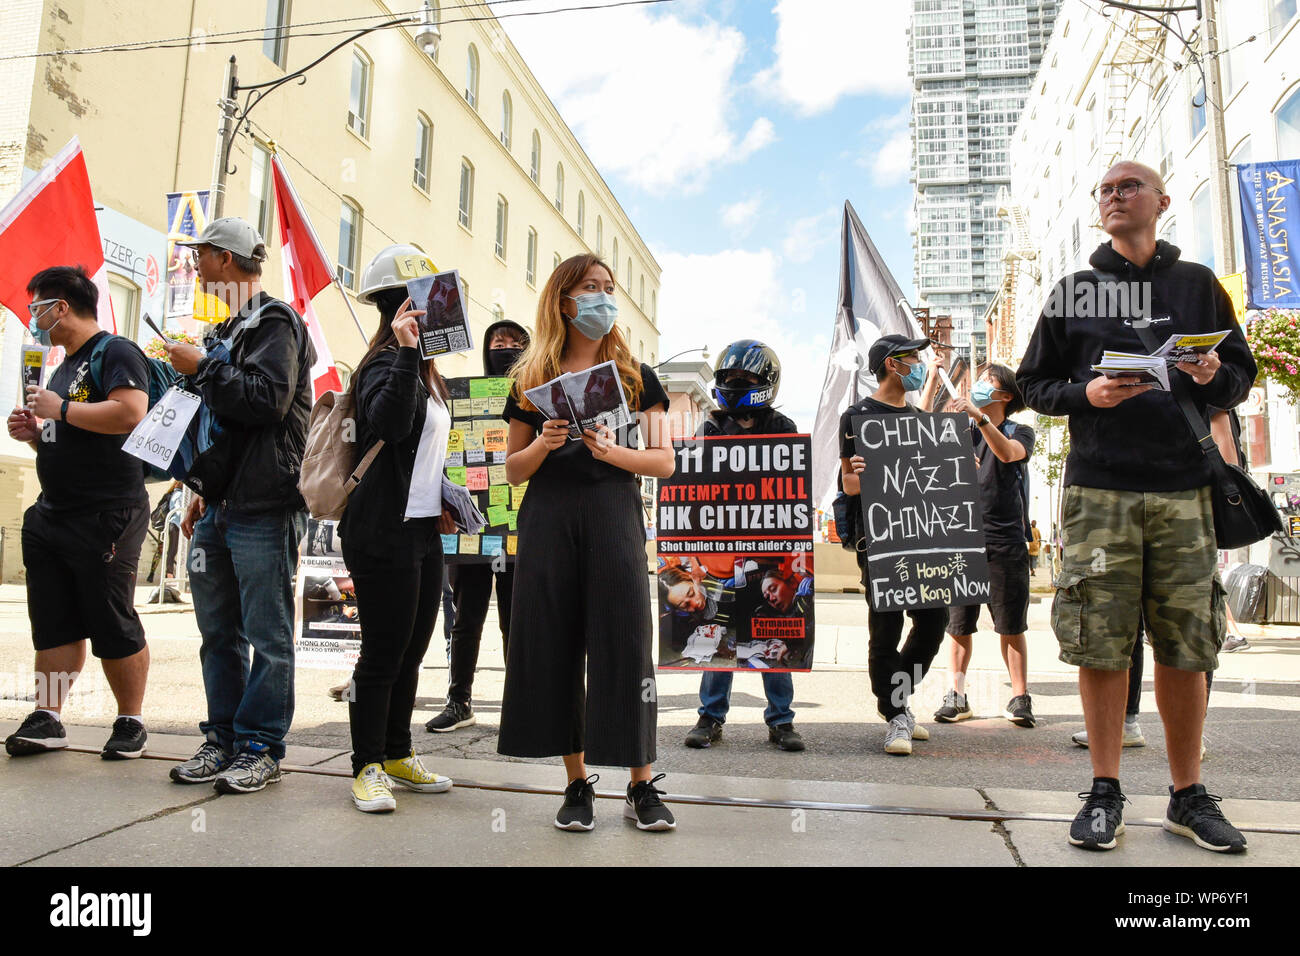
x: 74, y: 809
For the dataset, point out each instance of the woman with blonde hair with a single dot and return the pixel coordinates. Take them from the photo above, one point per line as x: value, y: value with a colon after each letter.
x: 581, y: 595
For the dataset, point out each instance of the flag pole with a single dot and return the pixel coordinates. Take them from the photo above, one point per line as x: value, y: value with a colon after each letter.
x: 348, y: 302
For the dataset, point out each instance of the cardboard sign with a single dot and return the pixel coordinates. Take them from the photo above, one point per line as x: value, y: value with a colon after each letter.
x: 921, y: 511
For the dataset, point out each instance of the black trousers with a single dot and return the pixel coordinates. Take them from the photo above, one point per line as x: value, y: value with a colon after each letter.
x: 397, y: 600
x: 895, y: 673
x: 581, y: 610
x: 471, y: 585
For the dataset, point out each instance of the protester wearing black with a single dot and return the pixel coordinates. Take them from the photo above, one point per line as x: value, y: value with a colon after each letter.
x: 746, y: 378
x: 895, y: 673
x: 81, y: 539
x: 392, y: 546
x: 503, y: 344
x: 255, y: 379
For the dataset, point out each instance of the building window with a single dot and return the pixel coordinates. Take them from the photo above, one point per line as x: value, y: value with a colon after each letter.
x: 1280, y: 13
x: 1288, y: 126
x: 555, y: 263
x: 628, y: 284
x: 423, y: 150
x: 654, y: 305
x: 642, y: 298
x: 125, y: 296
x: 559, y: 186
x: 498, y: 314
x: 535, y: 159
x: 466, y: 194
x: 507, y: 118
x: 530, y: 261
x: 359, y: 96
x: 275, y: 42
x: 600, y: 237
x: 503, y: 223
x: 614, y: 257
x: 1198, y: 110
x: 259, y: 187
x: 471, y: 77
x: 582, y: 213
x: 1202, y: 244
x: 349, y: 242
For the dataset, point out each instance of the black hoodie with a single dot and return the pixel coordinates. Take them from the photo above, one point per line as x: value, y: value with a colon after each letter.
x: 1144, y: 443
x: 491, y: 329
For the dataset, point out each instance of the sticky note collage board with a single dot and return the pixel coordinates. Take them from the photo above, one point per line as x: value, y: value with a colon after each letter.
x: 476, y: 460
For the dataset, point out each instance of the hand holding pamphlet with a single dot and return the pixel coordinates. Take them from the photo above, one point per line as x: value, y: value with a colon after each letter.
x: 586, y: 399
x: 458, y: 502
x: 1153, y: 369
x: 444, y: 326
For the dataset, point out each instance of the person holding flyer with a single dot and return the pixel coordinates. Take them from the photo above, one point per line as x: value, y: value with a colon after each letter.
x: 580, y: 575
x: 894, y: 361
x: 81, y: 540
x: 745, y: 379
x: 392, y: 540
x: 503, y: 344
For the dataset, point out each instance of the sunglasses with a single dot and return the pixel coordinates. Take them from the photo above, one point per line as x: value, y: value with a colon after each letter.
x: 34, y: 308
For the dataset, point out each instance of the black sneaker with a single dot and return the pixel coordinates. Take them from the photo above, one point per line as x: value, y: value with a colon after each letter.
x: 1020, y: 711
x: 37, y: 734
x: 1100, y: 823
x: 578, y: 811
x: 453, y: 717
x: 208, y: 761
x: 705, y: 732
x: 785, y: 737
x: 126, y: 741
x: 644, y: 806
x: 955, y: 707
x: 1196, y: 815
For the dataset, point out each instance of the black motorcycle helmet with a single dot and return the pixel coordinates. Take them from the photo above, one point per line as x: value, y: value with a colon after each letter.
x: 735, y: 396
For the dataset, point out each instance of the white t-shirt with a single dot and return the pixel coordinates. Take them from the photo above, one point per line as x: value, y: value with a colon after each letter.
x: 425, y: 497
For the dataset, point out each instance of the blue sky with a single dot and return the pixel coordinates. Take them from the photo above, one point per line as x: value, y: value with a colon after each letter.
x: 732, y: 132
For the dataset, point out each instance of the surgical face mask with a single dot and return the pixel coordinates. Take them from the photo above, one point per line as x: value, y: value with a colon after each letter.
x: 982, y: 394
x: 42, y: 336
x: 915, y: 378
x: 500, y: 360
x: 597, y: 313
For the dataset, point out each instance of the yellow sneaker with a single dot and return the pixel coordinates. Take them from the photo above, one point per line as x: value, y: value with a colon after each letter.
x: 410, y: 773
x: 370, y: 791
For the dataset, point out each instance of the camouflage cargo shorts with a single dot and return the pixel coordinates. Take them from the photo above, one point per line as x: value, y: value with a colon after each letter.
x: 1133, y: 557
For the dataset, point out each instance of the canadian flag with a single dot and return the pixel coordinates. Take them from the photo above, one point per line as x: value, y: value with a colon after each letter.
x: 307, y: 270
x: 51, y: 222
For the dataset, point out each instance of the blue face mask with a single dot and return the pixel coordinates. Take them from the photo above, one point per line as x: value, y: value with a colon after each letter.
x: 915, y: 378
x: 42, y: 336
x: 597, y: 313
x: 982, y: 394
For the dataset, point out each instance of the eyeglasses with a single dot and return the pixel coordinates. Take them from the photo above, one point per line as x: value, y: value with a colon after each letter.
x: 34, y: 308
x: 1125, y: 190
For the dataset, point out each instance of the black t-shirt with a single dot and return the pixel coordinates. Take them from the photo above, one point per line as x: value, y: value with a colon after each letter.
x: 1000, y: 496
x: 764, y: 421
x: 82, y: 471
x: 572, y: 462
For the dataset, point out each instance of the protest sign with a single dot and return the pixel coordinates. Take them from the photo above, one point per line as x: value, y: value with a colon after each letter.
x: 921, y: 511
x: 476, y: 461
x: 328, y: 632
x: 155, y: 440
x: 734, y: 533
x: 444, y: 326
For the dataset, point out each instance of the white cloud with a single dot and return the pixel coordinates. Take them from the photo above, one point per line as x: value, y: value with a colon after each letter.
x: 739, y: 294
x: 740, y: 216
x: 808, y: 234
x: 893, y: 161
x: 826, y: 49
x: 649, y: 97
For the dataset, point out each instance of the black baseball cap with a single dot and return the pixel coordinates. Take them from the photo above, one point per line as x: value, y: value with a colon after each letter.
x: 888, y: 346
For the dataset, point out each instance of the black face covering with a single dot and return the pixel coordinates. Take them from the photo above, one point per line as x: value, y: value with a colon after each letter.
x: 499, y: 361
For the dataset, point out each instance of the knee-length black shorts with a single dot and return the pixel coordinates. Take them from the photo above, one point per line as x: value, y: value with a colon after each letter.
x: 581, y: 608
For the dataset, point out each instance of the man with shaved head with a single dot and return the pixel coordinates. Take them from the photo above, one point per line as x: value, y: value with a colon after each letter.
x: 1138, y: 527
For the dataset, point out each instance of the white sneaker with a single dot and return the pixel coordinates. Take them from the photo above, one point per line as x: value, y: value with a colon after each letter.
x: 918, y: 732
x: 898, y: 736
x: 1132, y: 735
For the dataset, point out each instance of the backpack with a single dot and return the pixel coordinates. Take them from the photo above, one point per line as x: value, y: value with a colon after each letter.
x: 161, y: 377
x: 328, y: 475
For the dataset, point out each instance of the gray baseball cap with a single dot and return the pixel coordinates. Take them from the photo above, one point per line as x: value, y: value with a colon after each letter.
x: 233, y: 234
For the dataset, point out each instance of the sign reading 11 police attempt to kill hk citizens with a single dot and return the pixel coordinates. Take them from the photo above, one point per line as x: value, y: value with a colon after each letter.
x: 735, y: 577
x: 921, y: 511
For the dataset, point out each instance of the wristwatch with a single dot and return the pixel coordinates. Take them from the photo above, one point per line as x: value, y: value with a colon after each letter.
x: 984, y: 420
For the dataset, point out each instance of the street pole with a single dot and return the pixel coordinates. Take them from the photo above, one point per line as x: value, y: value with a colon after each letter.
x: 1222, y: 195
x: 217, y: 199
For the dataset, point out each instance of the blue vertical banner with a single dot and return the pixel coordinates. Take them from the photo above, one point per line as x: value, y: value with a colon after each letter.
x: 1270, y: 231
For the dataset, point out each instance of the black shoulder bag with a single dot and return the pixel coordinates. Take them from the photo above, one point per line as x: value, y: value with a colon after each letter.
x: 1243, y: 513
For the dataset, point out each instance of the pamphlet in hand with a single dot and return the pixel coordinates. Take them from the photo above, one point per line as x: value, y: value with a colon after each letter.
x: 460, y: 504
x: 586, y: 399
x: 444, y: 327
x: 33, y: 368
x: 1153, y: 369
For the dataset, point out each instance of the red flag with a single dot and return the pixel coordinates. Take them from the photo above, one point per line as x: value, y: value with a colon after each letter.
x: 308, y: 271
x: 51, y: 222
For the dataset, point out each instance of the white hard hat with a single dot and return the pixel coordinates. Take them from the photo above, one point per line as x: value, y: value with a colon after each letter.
x: 392, y: 269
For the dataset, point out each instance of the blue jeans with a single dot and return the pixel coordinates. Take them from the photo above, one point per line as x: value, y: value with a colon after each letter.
x: 715, y: 696
x: 241, y: 574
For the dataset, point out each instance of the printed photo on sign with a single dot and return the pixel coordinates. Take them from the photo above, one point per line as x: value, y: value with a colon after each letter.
x: 328, y: 632
x: 921, y: 511
x: 444, y: 327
